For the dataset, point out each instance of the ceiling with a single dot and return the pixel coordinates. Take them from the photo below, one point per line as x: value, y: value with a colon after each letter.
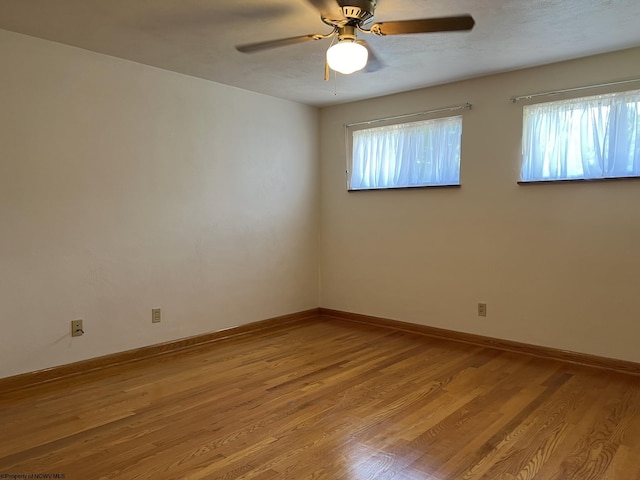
x: 197, y: 37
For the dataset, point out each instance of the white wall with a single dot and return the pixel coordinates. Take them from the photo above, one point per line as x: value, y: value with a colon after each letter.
x: 558, y: 265
x: 124, y: 187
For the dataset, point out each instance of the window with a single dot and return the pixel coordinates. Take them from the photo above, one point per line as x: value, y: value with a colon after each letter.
x: 582, y: 138
x: 413, y: 154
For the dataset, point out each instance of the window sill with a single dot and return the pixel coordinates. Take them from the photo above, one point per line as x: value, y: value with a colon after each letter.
x: 402, y: 188
x: 577, y: 180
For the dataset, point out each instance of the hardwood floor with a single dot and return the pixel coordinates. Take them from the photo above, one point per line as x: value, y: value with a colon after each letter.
x: 329, y: 399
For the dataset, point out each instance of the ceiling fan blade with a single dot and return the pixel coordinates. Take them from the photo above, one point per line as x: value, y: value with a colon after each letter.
x: 373, y: 62
x: 425, y: 25
x: 328, y: 9
x: 282, y: 42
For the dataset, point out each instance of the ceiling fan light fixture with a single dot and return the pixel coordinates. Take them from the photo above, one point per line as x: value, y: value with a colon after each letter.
x: 347, y: 56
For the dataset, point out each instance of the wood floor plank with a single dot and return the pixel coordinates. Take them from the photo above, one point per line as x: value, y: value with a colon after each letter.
x: 329, y: 399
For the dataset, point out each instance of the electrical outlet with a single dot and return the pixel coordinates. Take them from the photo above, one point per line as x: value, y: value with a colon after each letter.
x: 155, y: 315
x: 482, y: 309
x: 76, y: 328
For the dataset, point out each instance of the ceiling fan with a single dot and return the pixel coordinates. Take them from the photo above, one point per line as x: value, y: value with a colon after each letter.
x: 348, y: 17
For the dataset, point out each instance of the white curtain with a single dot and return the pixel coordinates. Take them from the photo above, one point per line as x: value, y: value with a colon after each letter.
x: 592, y: 137
x: 407, y: 155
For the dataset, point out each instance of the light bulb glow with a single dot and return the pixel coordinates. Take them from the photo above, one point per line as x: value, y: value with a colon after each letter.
x: 347, y: 57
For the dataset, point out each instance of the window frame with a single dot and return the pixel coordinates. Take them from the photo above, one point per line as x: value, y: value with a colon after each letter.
x: 400, y: 120
x: 572, y: 101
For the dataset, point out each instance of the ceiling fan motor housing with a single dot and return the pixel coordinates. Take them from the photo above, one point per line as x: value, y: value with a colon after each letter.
x: 357, y: 12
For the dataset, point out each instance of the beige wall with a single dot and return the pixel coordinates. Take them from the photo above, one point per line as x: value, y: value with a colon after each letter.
x: 558, y: 265
x: 124, y: 187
